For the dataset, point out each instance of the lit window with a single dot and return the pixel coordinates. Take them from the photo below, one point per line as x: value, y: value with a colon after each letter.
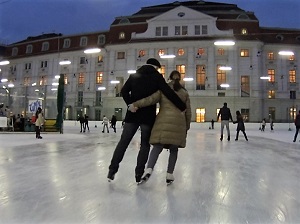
x: 65, y: 79
x: 200, y: 77
x: 244, y: 31
x: 244, y: 53
x: 99, y: 78
x: 271, y: 74
x: 200, y: 115
x: 142, y: 53
x: 201, y: 51
x: 122, y: 35
x: 221, y: 78
x: 43, y: 80
x: 81, y: 78
x: 271, y: 94
x: 292, y: 76
x: 221, y: 51
x: 161, y: 52
x: 291, y: 57
x: 100, y: 58
x: 270, y: 55
x: 180, y: 52
x: 162, y: 70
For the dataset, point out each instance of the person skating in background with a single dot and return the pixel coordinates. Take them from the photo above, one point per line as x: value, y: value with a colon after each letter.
x: 38, y: 123
x: 240, y: 125
x: 212, y: 124
x: 146, y: 81
x: 271, y: 125
x: 105, y: 124
x: 170, y: 127
x: 86, y: 123
x: 263, y: 124
x: 81, y: 121
x: 225, y: 114
x: 113, y: 122
x: 297, y: 124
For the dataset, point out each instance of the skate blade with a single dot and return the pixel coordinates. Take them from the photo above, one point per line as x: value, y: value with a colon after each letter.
x: 169, y: 183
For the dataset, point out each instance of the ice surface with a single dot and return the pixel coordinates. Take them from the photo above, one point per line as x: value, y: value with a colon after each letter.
x: 62, y: 179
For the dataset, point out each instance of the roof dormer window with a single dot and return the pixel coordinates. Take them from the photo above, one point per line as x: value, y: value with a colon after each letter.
x: 45, y: 46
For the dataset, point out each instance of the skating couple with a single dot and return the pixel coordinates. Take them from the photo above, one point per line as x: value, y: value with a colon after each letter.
x: 225, y: 114
x: 141, y: 92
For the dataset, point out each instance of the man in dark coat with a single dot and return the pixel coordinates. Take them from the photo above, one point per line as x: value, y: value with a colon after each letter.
x: 297, y: 124
x: 81, y: 120
x: 146, y: 81
x: 225, y: 114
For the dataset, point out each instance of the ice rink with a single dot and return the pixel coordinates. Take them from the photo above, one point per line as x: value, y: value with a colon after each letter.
x: 62, y: 179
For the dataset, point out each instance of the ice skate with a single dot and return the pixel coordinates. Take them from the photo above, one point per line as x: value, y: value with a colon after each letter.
x: 146, y: 175
x: 110, y: 175
x: 170, y: 178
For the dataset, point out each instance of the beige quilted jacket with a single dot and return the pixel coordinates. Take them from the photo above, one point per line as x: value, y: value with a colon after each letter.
x: 171, y: 124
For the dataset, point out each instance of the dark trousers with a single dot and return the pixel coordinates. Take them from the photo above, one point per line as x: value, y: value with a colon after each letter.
x: 296, y: 134
x: 113, y: 126
x: 81, y: 127
x: 237, y: 134
x: 86, y: 126
x: 128, y: 132
x: 37, y: 131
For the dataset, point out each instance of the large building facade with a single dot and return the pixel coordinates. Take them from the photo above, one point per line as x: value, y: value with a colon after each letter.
x: 192, y: 33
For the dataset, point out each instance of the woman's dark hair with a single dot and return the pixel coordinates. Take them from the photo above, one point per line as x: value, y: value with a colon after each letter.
x: 38, y: 111
x: 176, y: 86
x: 238, y: 112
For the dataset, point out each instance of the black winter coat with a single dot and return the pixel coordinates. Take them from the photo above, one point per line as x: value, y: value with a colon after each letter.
x: 225, y: 114
x: 240, y: 123
x: 146, y: 81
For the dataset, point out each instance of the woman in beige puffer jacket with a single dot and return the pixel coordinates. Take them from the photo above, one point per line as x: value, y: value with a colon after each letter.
x: 170, y: 127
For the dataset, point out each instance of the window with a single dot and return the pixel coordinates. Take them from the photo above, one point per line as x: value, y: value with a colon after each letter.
x: 184, y: 30
x: 99, y: 77
x: 292, y: 94
x: 177, y: 30
x: 122, y: 35
x: 161, y: 52
x: 142, y: 53
x: 271, y: 94
x: 293, y: 113
x: 14, y: 51
x: 44, y: 64
x: 158, y: 31
x: 67, y: 43
x: 292, y: 76
x: 162, y: 70
x: 245, y: 114
x: 101, y: 39
x: 80, y: 98
x: 29, y: 49
x: 221, y: 78
x: 98, y: 98
x: 272, y: 111
x: 100, y: 58
x: 270, y: 55
x: 200, y: 51
x: 197, y: 30
x: 180, y: 52
x: 27, y: 66
x: 181, y: 69
x: 83, y: 60
x: 43, y: 80
x: 181, y: 30
x: 271, y: 74
x: 244, y: 53
x: 65, y: 79
x: 245, y: 86
x: 244, y: 31
x: 165, y: 31
x: 45, y: 46
x: 221, y: 51
x: 121, y: 55
x: 83, y: 41
x: 204, y: 29
x: 291, y: 57
x: 27, y: 81
x: 200, y: 77
x: 81, y: 79
x: 200, y: 115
